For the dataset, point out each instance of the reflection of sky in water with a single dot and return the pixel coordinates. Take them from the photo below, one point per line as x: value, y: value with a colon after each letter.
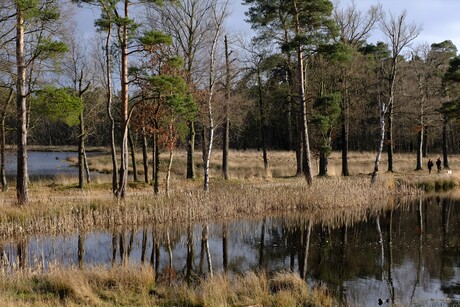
x: 42, y: 163
x: 420, y: 272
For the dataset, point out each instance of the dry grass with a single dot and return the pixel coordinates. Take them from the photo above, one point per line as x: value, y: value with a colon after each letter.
x: 57, y: 206
x: 135, y: 286
x: 83, y: 210
x: 248, y: 165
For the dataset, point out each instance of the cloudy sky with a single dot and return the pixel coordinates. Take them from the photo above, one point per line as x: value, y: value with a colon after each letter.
x: 439, y: 19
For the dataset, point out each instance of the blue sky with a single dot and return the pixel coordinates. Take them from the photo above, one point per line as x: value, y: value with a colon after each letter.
x: 439, y: 19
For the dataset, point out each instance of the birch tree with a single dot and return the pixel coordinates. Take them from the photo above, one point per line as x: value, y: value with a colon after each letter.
x: 219, y: 14
x: 399, y: 35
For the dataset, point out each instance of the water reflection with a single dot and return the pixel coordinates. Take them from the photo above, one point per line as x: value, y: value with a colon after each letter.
x: 407, y: 255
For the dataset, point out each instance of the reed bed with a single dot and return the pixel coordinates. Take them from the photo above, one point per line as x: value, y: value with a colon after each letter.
x: 83, y: 211
x: 136, y: 286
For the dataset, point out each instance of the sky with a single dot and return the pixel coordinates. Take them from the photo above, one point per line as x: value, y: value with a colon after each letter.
x: 439, y: 19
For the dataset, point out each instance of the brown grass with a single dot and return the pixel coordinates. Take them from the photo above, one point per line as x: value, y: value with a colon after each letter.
x: 136, y: 286
x: 57, y: 206
x: 82, y: 210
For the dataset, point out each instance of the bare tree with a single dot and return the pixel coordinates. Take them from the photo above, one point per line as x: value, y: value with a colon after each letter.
x: 219, y: 14
x: 399, y: 35
x: 190, y: 22
x: 77, y: 72
x: 354, y: 28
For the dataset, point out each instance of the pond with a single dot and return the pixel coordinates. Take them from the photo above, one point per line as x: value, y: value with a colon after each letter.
x: 408, y: 256
x: 42, y: 163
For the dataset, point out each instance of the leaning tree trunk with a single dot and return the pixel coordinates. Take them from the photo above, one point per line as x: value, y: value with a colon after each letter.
x: 133, y: 155
x: 22, y: 192
x: 382, y: 139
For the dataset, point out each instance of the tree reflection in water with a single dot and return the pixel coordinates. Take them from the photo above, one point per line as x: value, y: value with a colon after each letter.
x: 398, y: 253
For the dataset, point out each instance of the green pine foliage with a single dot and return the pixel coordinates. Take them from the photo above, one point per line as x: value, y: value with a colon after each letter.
x: 58, y: 104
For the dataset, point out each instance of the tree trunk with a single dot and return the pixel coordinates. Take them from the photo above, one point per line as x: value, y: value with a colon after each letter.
x: 133, y: 155
x: 425, y: 142
x: 123, y: 175
x: 22, y: 177
x: 212, y: 58
x: 226, y: 130
x: 419, y: 150
x: 444, y: 143
x: 156, y: 164
x: 145, y: 158
x: 191, y: 151
x: 113, y: 152
x: 344, y: 135
x: 303, y: 104
x: 390, y: 138
x: 382, y: 139
x: 85, y: 158
x: 298, y: 148
x: 81, y: 158
x: 2, y: 154
x: 323, y: 161
x: 262, y: 122
x: 3, y: 142
x: 168, y: 174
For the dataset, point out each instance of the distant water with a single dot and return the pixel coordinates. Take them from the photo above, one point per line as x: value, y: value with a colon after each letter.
x: 43, y: 163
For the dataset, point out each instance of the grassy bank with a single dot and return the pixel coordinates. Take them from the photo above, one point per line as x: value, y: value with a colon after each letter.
x: 136, y: 286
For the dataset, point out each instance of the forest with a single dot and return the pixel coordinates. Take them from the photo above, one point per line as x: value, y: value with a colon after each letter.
x: 173, y: 76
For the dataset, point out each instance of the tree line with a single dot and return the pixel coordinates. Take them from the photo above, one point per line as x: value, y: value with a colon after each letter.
x: 174, y: 74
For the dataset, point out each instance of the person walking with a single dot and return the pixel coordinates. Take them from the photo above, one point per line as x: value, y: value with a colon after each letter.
x: 438, y: 165
x: 430, y: 165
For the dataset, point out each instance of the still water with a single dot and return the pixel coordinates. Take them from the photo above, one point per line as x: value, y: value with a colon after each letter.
x: 41, y: 163
x: 408, y: 256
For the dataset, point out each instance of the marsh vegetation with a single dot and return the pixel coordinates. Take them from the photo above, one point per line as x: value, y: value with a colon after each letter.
x: 65, y: 228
